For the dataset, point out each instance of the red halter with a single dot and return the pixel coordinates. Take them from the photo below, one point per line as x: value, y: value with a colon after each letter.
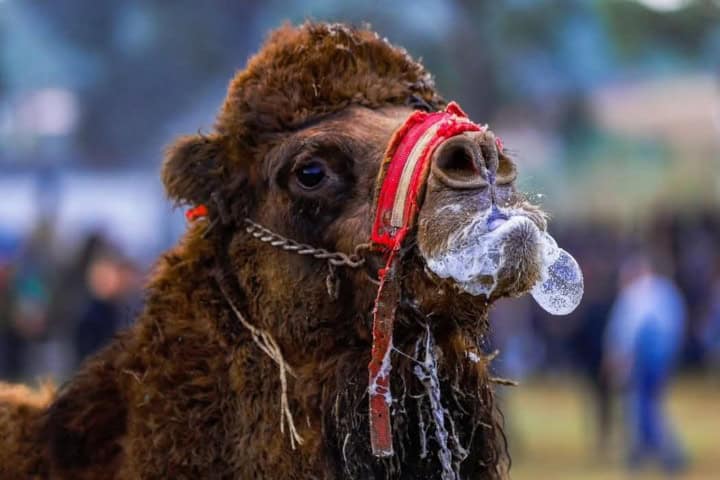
x: 403, y: 175
x: 401, y: 181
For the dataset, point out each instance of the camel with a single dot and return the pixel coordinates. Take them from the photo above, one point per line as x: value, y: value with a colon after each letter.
x: 251, y: 357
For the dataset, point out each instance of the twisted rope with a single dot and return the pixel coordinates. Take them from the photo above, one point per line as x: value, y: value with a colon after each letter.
x: 270, y: 347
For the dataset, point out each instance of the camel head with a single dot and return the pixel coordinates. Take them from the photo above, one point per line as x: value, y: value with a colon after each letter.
x: 296, y: 163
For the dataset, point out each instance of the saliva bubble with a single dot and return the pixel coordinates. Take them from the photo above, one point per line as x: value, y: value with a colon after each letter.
x: 561, y: 286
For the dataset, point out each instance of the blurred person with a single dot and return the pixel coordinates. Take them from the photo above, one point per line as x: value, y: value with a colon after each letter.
x: 642, y: 341
x: 8, y: 366
x: 587, y: 346
x: 9, y: 359
x: 109, y: 281
x: 600, y: 246
x: 520, y: 353
x: 47, y: 298
x: 73, y: 294
x: 35, y: 350
x: 695, y: 258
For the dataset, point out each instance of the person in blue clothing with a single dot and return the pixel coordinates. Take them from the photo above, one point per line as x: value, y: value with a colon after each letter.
x: 643, y: 338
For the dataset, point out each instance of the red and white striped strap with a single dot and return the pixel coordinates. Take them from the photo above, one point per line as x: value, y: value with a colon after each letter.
x: 403, y: 175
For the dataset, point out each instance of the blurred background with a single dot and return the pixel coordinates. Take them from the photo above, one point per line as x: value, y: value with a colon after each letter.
x: 611, y: 108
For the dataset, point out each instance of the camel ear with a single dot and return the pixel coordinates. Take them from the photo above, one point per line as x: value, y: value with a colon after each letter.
x: 192, y: 168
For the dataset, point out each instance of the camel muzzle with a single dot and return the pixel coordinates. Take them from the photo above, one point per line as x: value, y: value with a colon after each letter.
x: 494, y: 247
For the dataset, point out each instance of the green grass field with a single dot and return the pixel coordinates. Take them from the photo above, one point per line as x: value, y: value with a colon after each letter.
x: 552, y: 436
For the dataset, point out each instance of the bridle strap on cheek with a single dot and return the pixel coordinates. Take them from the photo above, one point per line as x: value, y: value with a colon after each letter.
x: 400, y: 186
x: 401, y: 183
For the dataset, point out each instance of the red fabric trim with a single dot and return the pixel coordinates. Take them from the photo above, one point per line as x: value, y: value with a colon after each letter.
x: 454, y: 109
x: 453, y: 121
x: 401, y: 145
x: 379, y: 380
x: 196, y: 212
x: 499, y: 144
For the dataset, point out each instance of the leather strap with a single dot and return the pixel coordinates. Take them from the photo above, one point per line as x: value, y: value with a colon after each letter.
x: 401, y: 181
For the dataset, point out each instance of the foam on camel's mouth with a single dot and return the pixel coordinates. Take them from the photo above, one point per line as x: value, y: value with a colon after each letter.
x: 475, y: 254
x: 494, y: 245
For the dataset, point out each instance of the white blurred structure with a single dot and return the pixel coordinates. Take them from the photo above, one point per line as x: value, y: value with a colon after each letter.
x: 128, y: 207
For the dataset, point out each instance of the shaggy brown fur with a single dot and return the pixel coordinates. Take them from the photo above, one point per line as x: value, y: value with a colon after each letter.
x: 185, y: 392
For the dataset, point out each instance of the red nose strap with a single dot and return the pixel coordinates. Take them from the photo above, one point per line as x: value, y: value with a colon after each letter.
x: 402, y: 178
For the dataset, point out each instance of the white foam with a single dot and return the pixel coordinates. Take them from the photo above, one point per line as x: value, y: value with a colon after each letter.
x: 374, y: 387
x: 474, y: 255
x: 427, y: 372
x: 472, y: 356
x: 561, y: 285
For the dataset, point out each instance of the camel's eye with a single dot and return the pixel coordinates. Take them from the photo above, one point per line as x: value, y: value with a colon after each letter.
x: 311, y: 175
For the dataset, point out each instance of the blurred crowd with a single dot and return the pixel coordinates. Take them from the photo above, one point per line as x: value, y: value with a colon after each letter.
x: 651, y: 309
x: 57, y: 307
x: 680, y: 246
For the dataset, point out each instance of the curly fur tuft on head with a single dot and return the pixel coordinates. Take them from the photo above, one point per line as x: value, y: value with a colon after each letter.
x: 317, y: 69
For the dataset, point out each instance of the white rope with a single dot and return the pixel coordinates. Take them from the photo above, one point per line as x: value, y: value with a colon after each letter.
x: 267, y: 344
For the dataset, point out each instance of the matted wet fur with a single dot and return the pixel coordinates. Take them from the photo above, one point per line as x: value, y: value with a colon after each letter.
x: 185, y: 392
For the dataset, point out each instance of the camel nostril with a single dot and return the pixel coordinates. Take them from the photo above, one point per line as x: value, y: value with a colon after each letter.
x: 457, y: 161
x: 457, y: 164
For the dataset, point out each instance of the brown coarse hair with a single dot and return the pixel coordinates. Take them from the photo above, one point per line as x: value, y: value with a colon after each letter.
x: 186, y: 391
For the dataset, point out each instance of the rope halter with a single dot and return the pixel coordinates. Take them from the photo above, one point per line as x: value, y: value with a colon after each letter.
x: 400, y: 186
